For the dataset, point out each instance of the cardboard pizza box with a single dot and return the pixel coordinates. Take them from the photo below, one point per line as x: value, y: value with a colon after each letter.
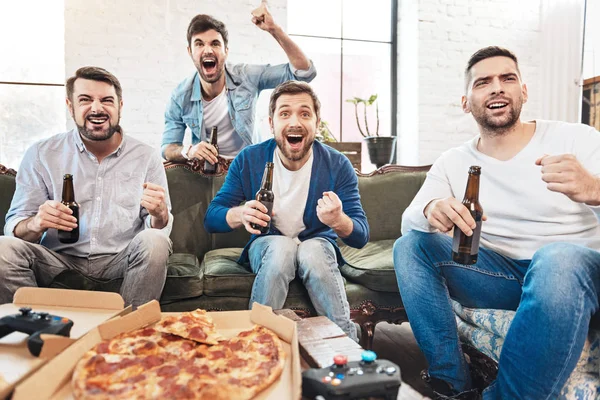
x: 85, y: 308
x: 53, y: 380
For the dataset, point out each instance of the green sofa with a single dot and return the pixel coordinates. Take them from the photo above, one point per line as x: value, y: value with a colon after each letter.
x: 203, y: 272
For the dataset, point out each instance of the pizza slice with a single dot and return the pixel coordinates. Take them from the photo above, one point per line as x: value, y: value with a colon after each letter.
x: 194, y: 325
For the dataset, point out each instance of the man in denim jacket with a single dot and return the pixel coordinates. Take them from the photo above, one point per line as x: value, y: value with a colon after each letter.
x: 224, y: 95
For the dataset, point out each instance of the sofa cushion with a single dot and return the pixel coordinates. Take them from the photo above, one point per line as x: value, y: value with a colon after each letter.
x: 7, y: 188
x: 485, y: 329
x: 371, y: 266
x: 223, y: 276
x: 184, y: 280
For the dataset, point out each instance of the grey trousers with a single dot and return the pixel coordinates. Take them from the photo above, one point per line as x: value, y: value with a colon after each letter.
x: 142, y: 265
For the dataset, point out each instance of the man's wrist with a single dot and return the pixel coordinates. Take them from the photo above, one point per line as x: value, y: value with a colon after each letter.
x: 185, y: 150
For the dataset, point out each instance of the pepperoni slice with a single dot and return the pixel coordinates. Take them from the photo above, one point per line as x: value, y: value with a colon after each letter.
x: 106, y: 368
x: 146, y: 332
x: 102, y: 348
x: 197, y: 333
x: 235, y: 346
x: 167, y: 370
x: 237, y: 363
x: 186, y: 319
x: 152, y: 361
x: 264, y: 338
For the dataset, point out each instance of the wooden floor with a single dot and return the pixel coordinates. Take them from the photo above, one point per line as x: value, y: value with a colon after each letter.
x: 397, y: 344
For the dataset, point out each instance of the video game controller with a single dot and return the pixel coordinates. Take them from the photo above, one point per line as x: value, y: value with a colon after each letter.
x: 353, y: 380
x: 35, y: 324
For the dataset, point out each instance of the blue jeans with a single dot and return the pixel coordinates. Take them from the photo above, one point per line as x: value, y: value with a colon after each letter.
x: 275, y: 260
x: 555, y: 294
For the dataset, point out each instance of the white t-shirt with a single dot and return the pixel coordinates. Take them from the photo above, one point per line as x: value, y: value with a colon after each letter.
x: 290, y: 189
x: 216, y: 113
x: 523, y: 215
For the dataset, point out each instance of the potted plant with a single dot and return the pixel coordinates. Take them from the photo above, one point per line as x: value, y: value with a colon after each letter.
x: 381, y: 148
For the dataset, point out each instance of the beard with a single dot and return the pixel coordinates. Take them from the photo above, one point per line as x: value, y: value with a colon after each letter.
x: 98, y: 135
x: 283, y: 145
x: 498, y: 125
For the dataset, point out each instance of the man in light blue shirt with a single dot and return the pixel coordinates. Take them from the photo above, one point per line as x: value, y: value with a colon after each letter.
x: 120, y: 186
x: 224, y: 95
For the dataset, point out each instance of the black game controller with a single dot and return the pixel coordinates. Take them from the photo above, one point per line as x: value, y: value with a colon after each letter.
x: 35, y: 324
x: 353, y: 380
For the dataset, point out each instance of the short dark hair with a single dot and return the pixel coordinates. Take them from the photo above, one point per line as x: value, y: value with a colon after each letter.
x: 94, y: 74
x: 294, y: 87
x: 202, y: 23
x: 488, y: 52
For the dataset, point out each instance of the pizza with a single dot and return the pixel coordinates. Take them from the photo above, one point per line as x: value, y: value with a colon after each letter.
x: 195, y: 325
x: 150, y: 363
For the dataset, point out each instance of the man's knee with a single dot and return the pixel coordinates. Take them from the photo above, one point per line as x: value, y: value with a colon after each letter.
x: 317, y: 256
x: 11, y: 251
x: 406, y: 247
x: 562, y: 268
x: 276, y: 255
x: 152, y: 242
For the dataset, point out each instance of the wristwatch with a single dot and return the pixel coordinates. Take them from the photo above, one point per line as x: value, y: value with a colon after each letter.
x: 185, y: 150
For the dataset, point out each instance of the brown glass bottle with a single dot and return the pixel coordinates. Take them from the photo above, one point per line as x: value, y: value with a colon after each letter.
x: 265, y: 196
x: 68, y: 199
x: 466, y: 248
x: 208, y: 167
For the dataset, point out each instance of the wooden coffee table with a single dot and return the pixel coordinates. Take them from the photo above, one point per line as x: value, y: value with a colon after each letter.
x: 320, y: 339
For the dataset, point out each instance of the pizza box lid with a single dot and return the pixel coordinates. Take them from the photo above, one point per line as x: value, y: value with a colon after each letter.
x: 86, y: 309
x: 53, y: 380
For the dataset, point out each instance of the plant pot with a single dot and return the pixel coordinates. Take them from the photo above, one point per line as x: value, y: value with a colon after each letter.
x: 381, y: 149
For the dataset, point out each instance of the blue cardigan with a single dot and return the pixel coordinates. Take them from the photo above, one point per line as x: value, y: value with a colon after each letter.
x: 331, y: 171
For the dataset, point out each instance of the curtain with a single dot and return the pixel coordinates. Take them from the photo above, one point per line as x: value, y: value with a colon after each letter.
x: 561, y: 25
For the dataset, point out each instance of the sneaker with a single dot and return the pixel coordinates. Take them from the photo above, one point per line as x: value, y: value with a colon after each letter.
x: 443, y: 390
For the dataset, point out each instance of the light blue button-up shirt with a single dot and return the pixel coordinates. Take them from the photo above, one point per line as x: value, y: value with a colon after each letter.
x: 109, y: 193
x: 244, y: 83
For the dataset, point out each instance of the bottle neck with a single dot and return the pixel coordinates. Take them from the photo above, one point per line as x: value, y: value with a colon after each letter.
x: 472, y: 191
x: 267, y: 180
x: 68, y: 194
x: 213, y: 137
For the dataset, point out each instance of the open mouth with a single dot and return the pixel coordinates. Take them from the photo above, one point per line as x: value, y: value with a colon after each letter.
x: 497, y: 105
x: 97, y: 119
x: 209, y: 64
x: 294, y: 140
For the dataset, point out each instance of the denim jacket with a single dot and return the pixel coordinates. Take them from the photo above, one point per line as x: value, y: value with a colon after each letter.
x: 244, y: 83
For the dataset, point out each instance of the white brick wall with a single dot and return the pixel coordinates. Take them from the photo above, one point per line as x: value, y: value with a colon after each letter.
x: 143, y: 42
x: 449, y: 32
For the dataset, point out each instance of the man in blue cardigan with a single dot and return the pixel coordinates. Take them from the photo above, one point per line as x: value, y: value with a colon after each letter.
x: 316, y: 201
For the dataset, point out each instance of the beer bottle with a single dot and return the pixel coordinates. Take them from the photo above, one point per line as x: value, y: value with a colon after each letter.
x: 265, y: 196
x: 68, y: 199
x: 466, y: 248
x: 208, y: 167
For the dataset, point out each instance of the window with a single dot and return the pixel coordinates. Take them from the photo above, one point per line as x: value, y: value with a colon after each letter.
x: 32, y: 94
x: 353, y: 47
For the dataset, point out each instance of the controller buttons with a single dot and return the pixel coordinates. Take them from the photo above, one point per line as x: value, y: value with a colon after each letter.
x: 43, y: 315
x: 340, y: 360
x: 64, y: 320
x: 352, y: 371
x: 368, y: 356
x: 336, y: 382
x: 380, y: 370
x: 331, y: 374
x: 340, y: 376
x: 360, y: 372
x: 390, y: 370
x: 326, y: 379
x: 25, y: 311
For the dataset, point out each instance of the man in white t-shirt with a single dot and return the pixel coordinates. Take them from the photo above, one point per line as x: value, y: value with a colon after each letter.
x: 540, y: 240
x: 316, y: 202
